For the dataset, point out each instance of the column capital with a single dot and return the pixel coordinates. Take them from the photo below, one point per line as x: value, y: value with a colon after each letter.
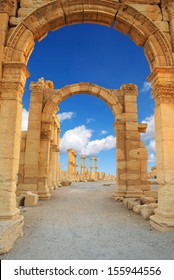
x: 11, y: 90
x: 162, y: 80
x: 163, y: 94
x: 129, y: 89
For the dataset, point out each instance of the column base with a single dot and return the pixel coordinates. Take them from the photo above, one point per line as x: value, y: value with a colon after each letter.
x: 51, y: 188
x: 44, y: 196
x: 162, y: 221
x: 10, y: 215
x: 135, y: 194
x: 10, y: 231
x: 118, y: 196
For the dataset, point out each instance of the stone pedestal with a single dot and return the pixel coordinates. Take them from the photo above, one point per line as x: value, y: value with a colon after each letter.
x: 162, y: 80
x: 10, y: 231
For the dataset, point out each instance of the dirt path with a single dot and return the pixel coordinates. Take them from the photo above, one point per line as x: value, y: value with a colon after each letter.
x: 84, y: 222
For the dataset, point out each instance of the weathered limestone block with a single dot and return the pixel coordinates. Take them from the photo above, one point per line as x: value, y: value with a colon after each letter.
x: 118, y: 198
x: 153, y: 194
x: 65, y: 183
x: 147, y: 212
x: 130, y: 107
x: 147, y: 200
x: 10, y: 231
x: 131, y: 203
x: 31, y: 199
x: 137, y: 208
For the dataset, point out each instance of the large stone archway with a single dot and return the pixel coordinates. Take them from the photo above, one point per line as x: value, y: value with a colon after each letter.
x: 150, y: 25
x: 131, y: 157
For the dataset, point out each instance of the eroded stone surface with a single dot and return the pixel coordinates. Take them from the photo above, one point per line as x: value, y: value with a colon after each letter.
x: 10, y: 231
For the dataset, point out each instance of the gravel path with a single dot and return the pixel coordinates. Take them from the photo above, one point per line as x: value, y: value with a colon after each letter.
x: 84, y: 222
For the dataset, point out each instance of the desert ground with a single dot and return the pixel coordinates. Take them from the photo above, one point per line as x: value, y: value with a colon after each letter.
x: 84, y: 222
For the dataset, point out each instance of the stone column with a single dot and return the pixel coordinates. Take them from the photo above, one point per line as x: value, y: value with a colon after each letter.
x: 12, y: 82
x: 96, y: 168
x: 54, y: 156
x: 72, y: 164
x: 31, y: 167
x: 162, y: 80
x: 58, y: 156
x: 75, y: 166
x: 144, y: 161
x: 70, y: 171
x: 11, y: 88
x: 129, y: 182
x: 82, y: 167
x: 91, y: 168
x: 134, y: 187
x: 50, y: 170
x: 121, y: 172
x: 44, y: 160
x: 22, y: 160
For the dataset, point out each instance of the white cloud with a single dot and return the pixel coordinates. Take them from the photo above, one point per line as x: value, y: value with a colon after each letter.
x: 146, y: 87
x: 79, y: 140
x: 149, y: 138
x: 150, y: 132
x: 104, y: 132
x: 76, y: 139
x: 88, y: 120
x: 97, y: 146
x: 151, y: 157
x: 151, y: 146
x: 65, y: 116
x: 24, y: 119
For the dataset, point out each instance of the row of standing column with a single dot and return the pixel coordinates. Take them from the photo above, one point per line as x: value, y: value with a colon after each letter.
x: 84, y: 174
x: 54, y: 168
x: 41, y: 159
x: 72, y: 172
x: 131, y: 155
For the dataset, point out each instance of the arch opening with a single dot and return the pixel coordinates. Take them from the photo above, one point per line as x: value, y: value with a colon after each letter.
x: 17, y: 46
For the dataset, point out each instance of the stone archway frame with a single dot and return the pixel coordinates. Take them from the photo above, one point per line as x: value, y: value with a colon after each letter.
x: 120, y: 16
x: 56, y: 14
x: 131, y: 180
x: 17, y: 47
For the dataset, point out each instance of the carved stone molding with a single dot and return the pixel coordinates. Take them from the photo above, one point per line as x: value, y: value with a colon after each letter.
x: 163, y: 94
x: 45, y: 135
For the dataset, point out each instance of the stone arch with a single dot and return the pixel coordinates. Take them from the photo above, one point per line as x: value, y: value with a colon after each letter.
x: 17, y: 43
x: 123, y: 104
x: 110, y: 97
x: 121, y: 16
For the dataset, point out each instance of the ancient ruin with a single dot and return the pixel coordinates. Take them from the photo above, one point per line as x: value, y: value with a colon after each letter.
x: 150, y: 24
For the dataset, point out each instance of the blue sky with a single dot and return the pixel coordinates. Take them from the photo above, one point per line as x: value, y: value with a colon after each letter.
x: 100, y: 55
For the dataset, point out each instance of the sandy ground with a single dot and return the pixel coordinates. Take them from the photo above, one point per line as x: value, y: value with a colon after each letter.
x: 84, y: 222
